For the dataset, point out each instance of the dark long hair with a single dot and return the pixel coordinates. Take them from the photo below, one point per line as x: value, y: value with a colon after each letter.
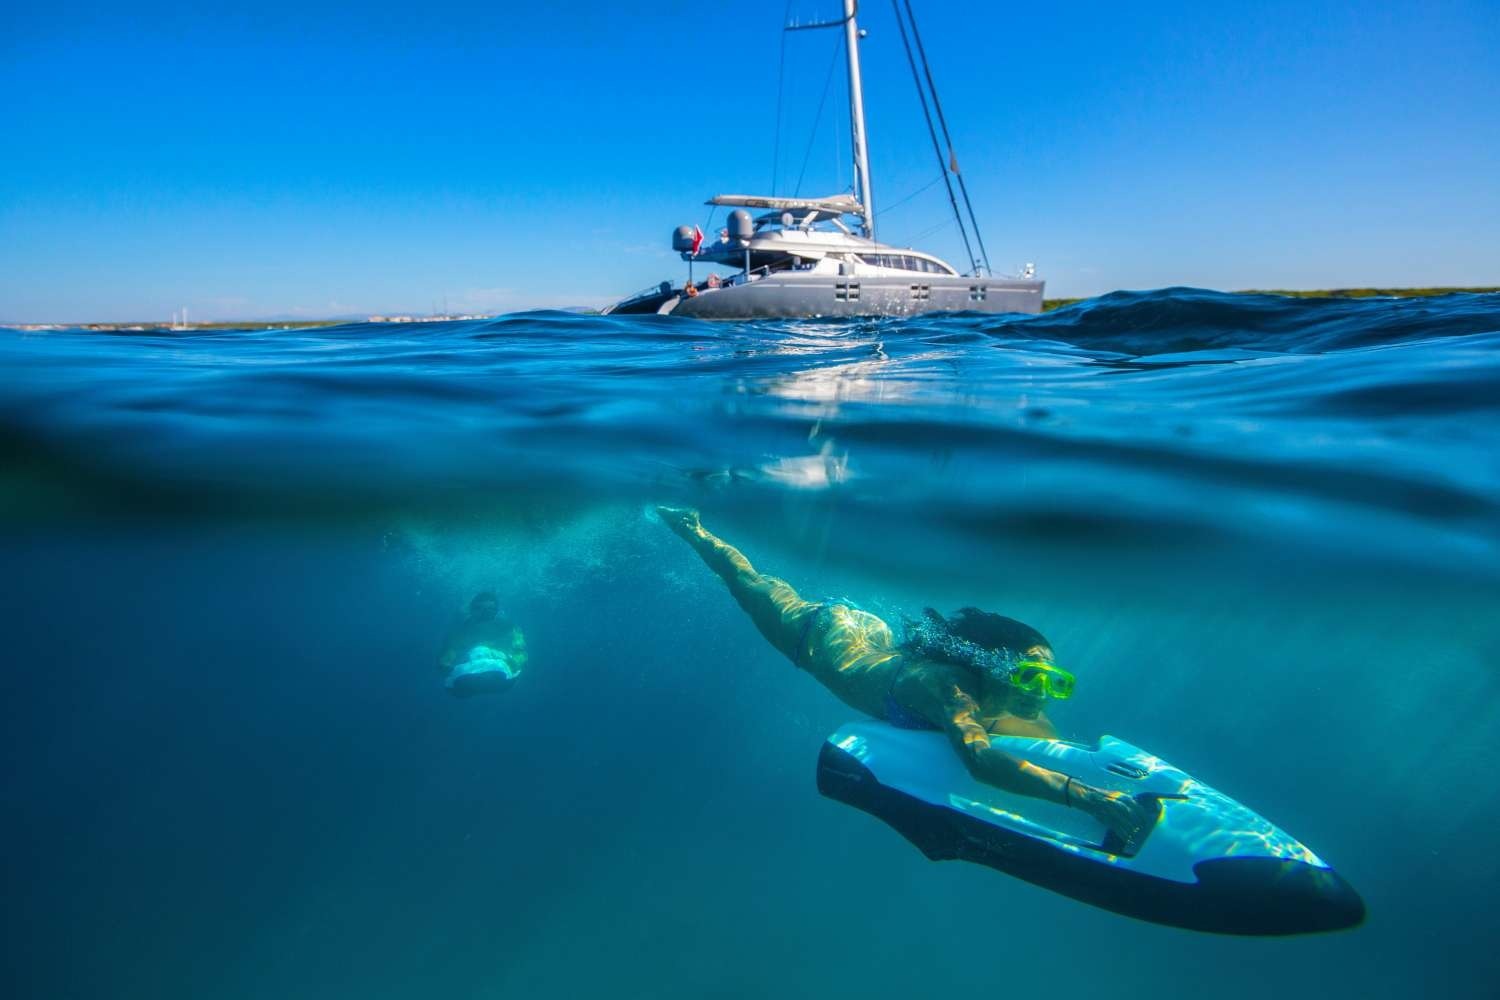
x: 980, y: 641
x: 992, y: 631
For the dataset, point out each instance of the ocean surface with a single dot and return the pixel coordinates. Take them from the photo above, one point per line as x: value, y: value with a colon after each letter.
x: 1263, y: 532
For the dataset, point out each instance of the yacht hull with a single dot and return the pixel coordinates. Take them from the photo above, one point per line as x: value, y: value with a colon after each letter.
x: 800, y: 296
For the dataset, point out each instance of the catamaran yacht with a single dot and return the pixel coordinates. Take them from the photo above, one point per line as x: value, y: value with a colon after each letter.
x: 807, y: 257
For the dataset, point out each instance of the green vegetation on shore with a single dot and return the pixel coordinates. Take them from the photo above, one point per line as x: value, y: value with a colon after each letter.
x: 1324, y: 293
x: 301, y: 324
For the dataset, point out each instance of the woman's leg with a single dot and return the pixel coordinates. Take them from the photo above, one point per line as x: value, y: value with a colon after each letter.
x: 775, y: 608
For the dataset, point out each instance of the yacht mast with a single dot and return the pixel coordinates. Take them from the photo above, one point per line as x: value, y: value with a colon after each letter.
x: 857, y: 121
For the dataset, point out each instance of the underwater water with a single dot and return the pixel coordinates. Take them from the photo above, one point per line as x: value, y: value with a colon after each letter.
x: 1263, y: 532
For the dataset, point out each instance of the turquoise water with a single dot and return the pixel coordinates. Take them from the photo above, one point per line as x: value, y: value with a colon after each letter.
x: 1263, y: 532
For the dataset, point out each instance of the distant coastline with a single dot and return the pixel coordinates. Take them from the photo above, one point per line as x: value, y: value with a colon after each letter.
x: 1047, y: 306
x: 1324, y: 293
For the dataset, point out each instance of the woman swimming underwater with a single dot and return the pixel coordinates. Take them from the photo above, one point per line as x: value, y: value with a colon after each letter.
x: 970, y: 676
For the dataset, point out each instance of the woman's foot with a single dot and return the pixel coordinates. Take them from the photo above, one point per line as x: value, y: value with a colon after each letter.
x: 682, y: 520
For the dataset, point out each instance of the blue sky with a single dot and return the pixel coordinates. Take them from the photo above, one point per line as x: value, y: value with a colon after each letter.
x: 311, y: 160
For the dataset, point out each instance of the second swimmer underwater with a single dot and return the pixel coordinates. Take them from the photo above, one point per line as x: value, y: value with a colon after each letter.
x: 965, y: 763
x: 484, y: 653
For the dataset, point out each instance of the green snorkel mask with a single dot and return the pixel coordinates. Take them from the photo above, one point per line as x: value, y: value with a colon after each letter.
x: 1038, y: 677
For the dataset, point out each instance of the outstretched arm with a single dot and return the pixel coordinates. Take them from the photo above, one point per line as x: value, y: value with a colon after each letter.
x: 937, y: 693
x: 517, y: 652
x: 776, y: 609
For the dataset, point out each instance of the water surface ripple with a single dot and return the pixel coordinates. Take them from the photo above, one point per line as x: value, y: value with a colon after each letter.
x: 1177, y: 408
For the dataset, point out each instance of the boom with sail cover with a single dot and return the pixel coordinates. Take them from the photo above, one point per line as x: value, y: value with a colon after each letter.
x: 840, y: 204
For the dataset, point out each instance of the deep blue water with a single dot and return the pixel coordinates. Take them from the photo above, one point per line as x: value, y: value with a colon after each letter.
x: 1264, y: 532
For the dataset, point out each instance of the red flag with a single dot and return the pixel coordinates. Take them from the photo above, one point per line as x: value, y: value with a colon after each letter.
x: 697, y: 240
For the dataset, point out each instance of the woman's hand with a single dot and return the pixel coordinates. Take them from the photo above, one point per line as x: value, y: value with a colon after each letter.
x: 1122, y: 814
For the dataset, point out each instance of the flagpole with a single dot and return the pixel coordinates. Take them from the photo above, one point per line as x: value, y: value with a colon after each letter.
x: 697, y: 242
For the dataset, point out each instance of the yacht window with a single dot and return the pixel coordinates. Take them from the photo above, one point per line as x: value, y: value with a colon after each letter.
x: 901, y: 262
